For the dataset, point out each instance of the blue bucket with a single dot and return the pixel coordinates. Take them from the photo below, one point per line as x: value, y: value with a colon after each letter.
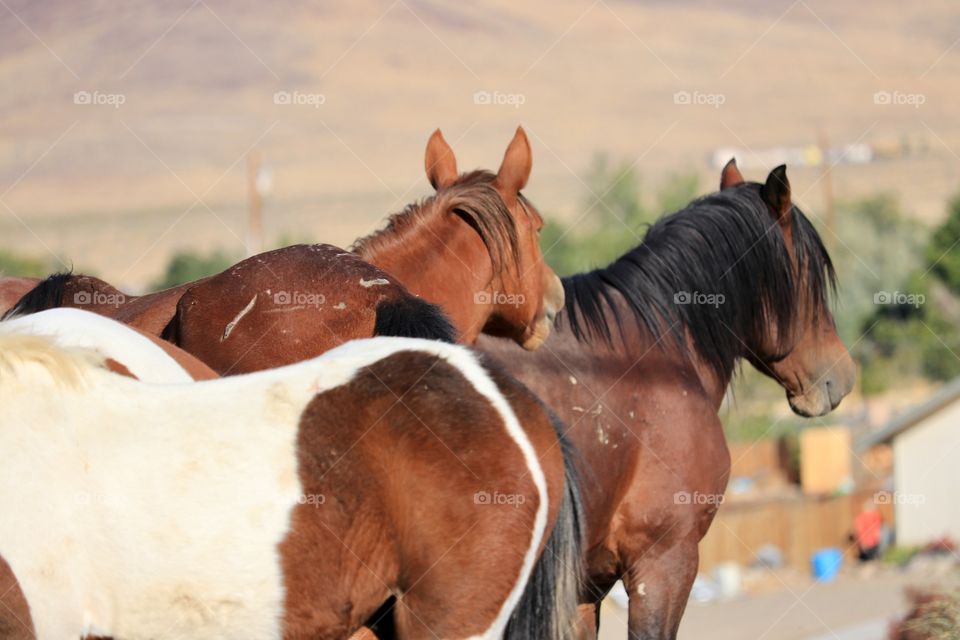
x: 826, y: 564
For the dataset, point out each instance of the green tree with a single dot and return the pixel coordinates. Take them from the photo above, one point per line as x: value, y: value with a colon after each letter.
x: 875, y: 249
x: 914, y: 329
x: 185, y: 266
x: 12, y: 264
x: 943, y: 251
x: 612, y: 218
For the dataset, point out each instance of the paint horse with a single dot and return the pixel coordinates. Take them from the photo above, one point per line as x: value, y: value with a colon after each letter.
x: 641, y: 360
x: 291, y: 503
x: 126, y: 350
x: 472, y: 248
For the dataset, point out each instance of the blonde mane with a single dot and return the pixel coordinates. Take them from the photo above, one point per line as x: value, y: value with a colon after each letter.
x: 65, y: 366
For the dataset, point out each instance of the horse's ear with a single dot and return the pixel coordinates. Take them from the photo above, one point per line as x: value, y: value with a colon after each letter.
x: 440, y: 162
x: 730, y: 176
x: 515, y: 168
x: 776, y: 193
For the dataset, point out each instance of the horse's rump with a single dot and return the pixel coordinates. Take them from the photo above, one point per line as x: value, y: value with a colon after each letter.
x: 222, y: 508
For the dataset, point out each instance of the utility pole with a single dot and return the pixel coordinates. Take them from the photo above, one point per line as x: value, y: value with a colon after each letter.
x: 826, y: 182
x: 259, y: 186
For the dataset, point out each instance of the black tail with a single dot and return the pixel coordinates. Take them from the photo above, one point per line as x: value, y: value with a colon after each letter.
x: 412, y: 317
x: 48, y: 294
x: 548, y: 608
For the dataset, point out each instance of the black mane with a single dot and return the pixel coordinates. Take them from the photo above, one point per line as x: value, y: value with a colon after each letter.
x: 47, y: 294
x: 724, y: 244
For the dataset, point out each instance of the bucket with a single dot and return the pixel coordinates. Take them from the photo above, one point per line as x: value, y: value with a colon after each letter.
x: 826, y: 563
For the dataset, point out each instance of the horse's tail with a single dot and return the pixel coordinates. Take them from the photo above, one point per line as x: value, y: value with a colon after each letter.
x: 48, y: 294
x: 412, y: 317
x: 548, y: 608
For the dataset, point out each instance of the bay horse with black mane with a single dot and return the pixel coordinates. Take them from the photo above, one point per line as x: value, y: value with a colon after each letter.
x: 291, y: 503
x: 639, y: 364
x: 12, y: 288
x: 472, y: 248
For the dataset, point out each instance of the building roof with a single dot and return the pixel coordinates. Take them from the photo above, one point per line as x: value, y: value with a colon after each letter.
x: 947, y: 394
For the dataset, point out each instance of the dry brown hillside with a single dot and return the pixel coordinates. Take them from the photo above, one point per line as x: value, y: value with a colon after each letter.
x: 115, y: 188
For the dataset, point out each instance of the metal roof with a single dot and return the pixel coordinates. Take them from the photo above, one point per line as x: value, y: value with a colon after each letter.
x: 947, y: 394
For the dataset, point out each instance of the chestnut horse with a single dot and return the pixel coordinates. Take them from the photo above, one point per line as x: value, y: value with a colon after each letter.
x: 641, y: 360
x: 257, y: 507
x: 472, y: 248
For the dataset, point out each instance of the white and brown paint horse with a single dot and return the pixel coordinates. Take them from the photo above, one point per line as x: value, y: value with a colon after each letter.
x: 289, y: 503
x: 125, y: 349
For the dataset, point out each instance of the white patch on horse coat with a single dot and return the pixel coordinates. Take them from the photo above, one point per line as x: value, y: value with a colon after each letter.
x: 78, y: 329
x: 340, y: 306
x: 171, y: 474
x: 373, y: 283
x: 233, y: 323
x: 642, y: 589
x: 602, y: 435
x: 573, y: 380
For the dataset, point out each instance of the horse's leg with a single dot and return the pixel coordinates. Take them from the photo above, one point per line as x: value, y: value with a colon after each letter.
x: 658, y: 584
x: 589, y: 621
x: 15, y: 621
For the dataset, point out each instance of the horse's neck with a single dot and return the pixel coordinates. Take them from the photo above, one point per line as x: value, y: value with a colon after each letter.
x: 639, y: 341
x: 444, y: 262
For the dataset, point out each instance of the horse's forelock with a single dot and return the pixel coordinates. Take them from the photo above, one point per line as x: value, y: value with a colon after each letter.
x: 474, y: 198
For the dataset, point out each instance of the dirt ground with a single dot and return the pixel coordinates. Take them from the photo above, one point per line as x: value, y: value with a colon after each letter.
x: 852, y: 608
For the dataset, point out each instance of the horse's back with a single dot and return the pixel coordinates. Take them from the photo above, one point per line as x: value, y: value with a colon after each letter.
x: 159, y: 515
x: 281, y: 307
x: 409, y: 425
x: 209, y: 510
x: 141, y: 355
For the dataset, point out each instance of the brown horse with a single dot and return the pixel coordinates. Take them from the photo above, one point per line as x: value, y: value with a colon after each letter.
x: 12, y: 288
x: 150, y: 313
x: 472, y: 248
x: 386, y: 470
x: 639, y: 365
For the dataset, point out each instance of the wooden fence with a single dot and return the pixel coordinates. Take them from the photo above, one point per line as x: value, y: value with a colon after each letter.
x: 798, y: 526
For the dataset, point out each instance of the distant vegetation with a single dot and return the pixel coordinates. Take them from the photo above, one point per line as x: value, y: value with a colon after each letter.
x: 612, y: 216
x: 12, y: 264
x: 185, y: 266
x: 915, y: 331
